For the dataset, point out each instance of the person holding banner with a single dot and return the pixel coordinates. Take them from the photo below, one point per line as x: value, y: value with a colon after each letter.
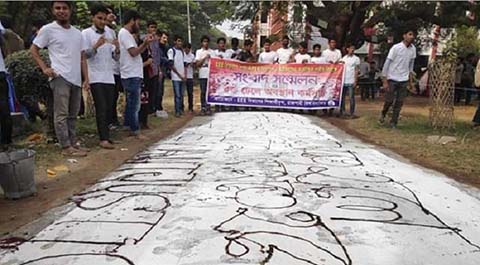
x: 246, y: 55
x: 222, y: 52
x: 202, y: 59
x: 285, y: 54
x: 302, y: 56
x: 352, y: 64
x: 234, y: 51
x: 332, y: 54
x: 317, y: 55
x: 268, y: 56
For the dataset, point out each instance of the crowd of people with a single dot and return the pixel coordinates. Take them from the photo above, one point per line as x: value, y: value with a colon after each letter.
x: 107, y: 63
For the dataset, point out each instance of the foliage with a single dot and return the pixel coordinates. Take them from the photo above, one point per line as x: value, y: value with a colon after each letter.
x: 27, y: 77
x: 464, y: 41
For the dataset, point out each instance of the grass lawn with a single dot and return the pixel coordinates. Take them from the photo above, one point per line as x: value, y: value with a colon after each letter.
x: 460, y: 159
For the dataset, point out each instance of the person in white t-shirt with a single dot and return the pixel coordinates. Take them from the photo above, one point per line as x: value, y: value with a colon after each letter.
x: 317, y: 55
x: 202, y: 59
x: 332, y: 54
x: 222, y: 52
x: 285, y: 54
x: 99, y: 50
x: 190, y: 65
x: 176, y: 57
x: 131, y: 69
x: 302, y: 56
x: 64, y: 43
x: 267, y: 56
x: 5, y: 118
x: 396, y: 74
x: 352, y: 64
x: 235, y: 50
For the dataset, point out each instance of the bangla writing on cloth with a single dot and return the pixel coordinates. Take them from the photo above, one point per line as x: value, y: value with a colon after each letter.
x: 291, y: 86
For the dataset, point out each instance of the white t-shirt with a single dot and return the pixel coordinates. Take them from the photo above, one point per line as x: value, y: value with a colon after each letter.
x: 178, y: 59
x: 351, y: 65
x: 100, y: 68
x: 299, y: 58
x: 227, y: 54
x: 319, y: 60
x: 2, y: 63
x: 189, y: 58
x: 116, y: 63
x: 268, y: 57
x: 332, y: 56
x: 129, y: 66
x: 199, y: 55
x: 284, y: 55
x: 401, y: 56
x: 234, y: 52
x: 64, y: 49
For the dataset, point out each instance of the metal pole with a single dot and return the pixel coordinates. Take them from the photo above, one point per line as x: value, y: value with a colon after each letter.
x: 188, y: 22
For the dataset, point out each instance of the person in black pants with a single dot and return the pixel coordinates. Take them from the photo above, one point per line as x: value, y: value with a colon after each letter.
x: 5, y: 118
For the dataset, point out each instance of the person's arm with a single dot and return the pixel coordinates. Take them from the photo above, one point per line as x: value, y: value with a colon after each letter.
x: 84, y: 67
x: 35, y: 51
x: 171, y: 58
x: 40, y: 42
x: 135, y: 51
x: 92, y: 51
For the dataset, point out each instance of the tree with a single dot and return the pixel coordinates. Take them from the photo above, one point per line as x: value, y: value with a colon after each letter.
x: 349, y: 21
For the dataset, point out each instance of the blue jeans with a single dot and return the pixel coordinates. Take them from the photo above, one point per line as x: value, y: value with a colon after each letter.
x: 132, y: 87
x: 178, y: 93
x: 350, y: 89
x: 190, y: 93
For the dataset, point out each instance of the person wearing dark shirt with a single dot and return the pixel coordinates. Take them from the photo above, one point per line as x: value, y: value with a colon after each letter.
x: 246, y: 55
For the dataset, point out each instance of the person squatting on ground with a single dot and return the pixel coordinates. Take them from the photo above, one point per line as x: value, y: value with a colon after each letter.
x: 64, y: 43
x: 396, y: 73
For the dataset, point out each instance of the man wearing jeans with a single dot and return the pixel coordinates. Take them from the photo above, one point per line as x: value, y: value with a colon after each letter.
x: 5, y: 118
x: 64, y: 43
x: 131, y: 69
x: 202, y: 58
x: 396, y: 73
x: 176, y: 57
x: 100, y: 46
x: 160, y: 56
x: 352, y: 64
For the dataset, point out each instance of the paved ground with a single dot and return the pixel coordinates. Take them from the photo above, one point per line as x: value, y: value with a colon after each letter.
x: 263, y: 188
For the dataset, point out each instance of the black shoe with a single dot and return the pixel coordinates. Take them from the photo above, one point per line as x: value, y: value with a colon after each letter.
x: 381, y: 120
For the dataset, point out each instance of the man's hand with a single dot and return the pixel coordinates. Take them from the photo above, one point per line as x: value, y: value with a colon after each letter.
x: 116, y: 44
x: 100, y: 42
x: 149, y: 61
x: 86, y: 85
x: 49, y: 72
x: 149, y: 39
x: 385, y: 85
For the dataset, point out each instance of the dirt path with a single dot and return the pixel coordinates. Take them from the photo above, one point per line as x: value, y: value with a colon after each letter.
x: 55, y: 191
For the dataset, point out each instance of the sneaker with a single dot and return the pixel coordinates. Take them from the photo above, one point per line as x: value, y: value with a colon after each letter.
x: 83, y: 149
x: 177, y: 115
x: 164, y: 114
x: 393, y: 126
x: 158, y: 113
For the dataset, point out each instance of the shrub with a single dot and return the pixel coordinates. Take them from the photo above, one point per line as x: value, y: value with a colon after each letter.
x: 28, y: 79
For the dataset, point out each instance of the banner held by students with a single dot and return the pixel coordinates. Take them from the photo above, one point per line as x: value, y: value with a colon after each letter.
x: 290, y: 86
